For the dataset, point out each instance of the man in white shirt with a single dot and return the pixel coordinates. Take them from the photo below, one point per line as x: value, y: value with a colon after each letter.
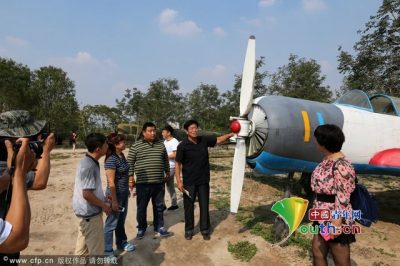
x: 171, y: 144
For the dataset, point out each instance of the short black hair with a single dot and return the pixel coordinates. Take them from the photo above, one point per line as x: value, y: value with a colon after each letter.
x: 169, y: 128
x: 189, y: 123
x: 330, y: 136
x: 94, y: 141
x: 148, y: 124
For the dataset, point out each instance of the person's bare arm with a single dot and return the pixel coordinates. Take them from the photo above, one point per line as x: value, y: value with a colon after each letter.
x: 19, y: 213
x: 92, y: 199
x: 224, y: 138
x: 111, y: 184
x: 43, y: 167
x: 172, y: 155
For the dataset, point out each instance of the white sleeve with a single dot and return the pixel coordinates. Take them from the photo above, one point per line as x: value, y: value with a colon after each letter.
x: 5, y: 230
x: 174, y: 144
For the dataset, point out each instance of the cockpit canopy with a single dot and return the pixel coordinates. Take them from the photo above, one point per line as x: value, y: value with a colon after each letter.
x: 379, y: 103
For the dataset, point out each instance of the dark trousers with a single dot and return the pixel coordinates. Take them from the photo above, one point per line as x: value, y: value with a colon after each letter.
x: 203, y: 192
x: 145, y: 192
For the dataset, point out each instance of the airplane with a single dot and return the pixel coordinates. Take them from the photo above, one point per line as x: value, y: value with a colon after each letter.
x: 275, y: 133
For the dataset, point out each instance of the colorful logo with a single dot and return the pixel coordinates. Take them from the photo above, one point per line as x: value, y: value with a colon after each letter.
x: 292, y: 211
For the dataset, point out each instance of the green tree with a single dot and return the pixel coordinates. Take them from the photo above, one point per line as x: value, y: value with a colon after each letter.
x: 204, y: 103
x: 55, y: 99
x: 161, y: 103
x: 131, y: 105
x: 15, y: 86
x: 376, y: 65
x: 231, y: 99
x: 101, y: 118
x: 300, y: 79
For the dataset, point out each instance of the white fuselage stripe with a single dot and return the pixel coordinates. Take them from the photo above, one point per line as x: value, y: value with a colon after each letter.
x: 368, y: 133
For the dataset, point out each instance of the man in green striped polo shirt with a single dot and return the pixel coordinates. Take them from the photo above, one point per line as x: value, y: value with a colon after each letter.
x: 148, y: 160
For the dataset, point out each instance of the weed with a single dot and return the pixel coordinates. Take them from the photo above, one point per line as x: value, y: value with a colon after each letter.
x: 380, y: 250
x: 242, y: 250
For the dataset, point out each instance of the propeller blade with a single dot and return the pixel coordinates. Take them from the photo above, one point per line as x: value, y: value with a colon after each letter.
x: 249, y: 72
x: 239, y: 163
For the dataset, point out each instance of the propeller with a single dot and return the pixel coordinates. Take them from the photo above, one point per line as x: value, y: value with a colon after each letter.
x: 241, y: 125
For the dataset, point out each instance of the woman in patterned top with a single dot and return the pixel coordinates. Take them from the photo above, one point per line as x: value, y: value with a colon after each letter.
x: 117, y: 171
x: 332, y: 181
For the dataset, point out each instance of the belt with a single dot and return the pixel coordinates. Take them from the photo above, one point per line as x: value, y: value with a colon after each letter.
x: 325, y: 198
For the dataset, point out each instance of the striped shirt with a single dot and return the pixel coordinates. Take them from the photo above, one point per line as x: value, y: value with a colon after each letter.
x: 149, y: 161
x: 121, y: 167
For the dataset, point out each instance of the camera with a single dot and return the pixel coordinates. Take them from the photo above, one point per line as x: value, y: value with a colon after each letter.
x: 36, y: 146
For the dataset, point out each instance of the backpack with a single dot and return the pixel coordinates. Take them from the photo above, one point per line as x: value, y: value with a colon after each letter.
x: 361, y: 199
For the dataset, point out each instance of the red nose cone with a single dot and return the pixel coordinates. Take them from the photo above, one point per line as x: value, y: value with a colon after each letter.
x: 235, y: 126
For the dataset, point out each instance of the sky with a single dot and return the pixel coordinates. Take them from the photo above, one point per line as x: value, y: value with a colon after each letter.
x: 108, y: 46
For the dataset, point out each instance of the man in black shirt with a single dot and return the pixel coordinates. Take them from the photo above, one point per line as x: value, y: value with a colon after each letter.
x: 192, y: 158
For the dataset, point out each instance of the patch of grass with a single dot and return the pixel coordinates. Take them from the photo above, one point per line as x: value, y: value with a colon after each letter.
x: 221, y: 203
x: 263, y: 230
x: 258, y: 226
x: 379, y: 263
x: 60, y: 156
x: 380, y: 250
x: 218, y: 167
x: 302, y: 242
x: 379, y: 234
x: 242, y: 250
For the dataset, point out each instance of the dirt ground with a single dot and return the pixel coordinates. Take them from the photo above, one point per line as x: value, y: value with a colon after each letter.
x: 54, y: 226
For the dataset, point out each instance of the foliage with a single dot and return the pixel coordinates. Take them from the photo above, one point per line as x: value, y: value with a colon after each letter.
x: 161, y: 103
x: 232, y: 98
x: 376, y: 65
x: 55, y: 98
x: 203, y: 105
x: 300, y: 79
x: 130, y: 104
x: 242, y: 250
x: 101, y: 118
x: 15, y: 86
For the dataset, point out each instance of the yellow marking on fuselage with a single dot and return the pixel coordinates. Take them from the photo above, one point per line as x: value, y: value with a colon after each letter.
x: 306, y: 121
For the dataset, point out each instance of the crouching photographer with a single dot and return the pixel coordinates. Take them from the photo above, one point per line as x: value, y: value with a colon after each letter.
x: 13, y: 126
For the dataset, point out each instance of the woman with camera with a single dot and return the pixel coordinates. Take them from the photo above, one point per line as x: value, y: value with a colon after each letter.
x: 117, y: 171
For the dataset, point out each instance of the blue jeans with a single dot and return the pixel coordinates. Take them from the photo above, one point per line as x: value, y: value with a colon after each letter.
x: 145, y: 192
x: 115, y: 222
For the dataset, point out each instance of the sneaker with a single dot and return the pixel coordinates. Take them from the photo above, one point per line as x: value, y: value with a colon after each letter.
x: 162, y: 232
x: 127, y: 247
x: 173, y: 208
x: 110, y: 256
x: 140, y: 234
